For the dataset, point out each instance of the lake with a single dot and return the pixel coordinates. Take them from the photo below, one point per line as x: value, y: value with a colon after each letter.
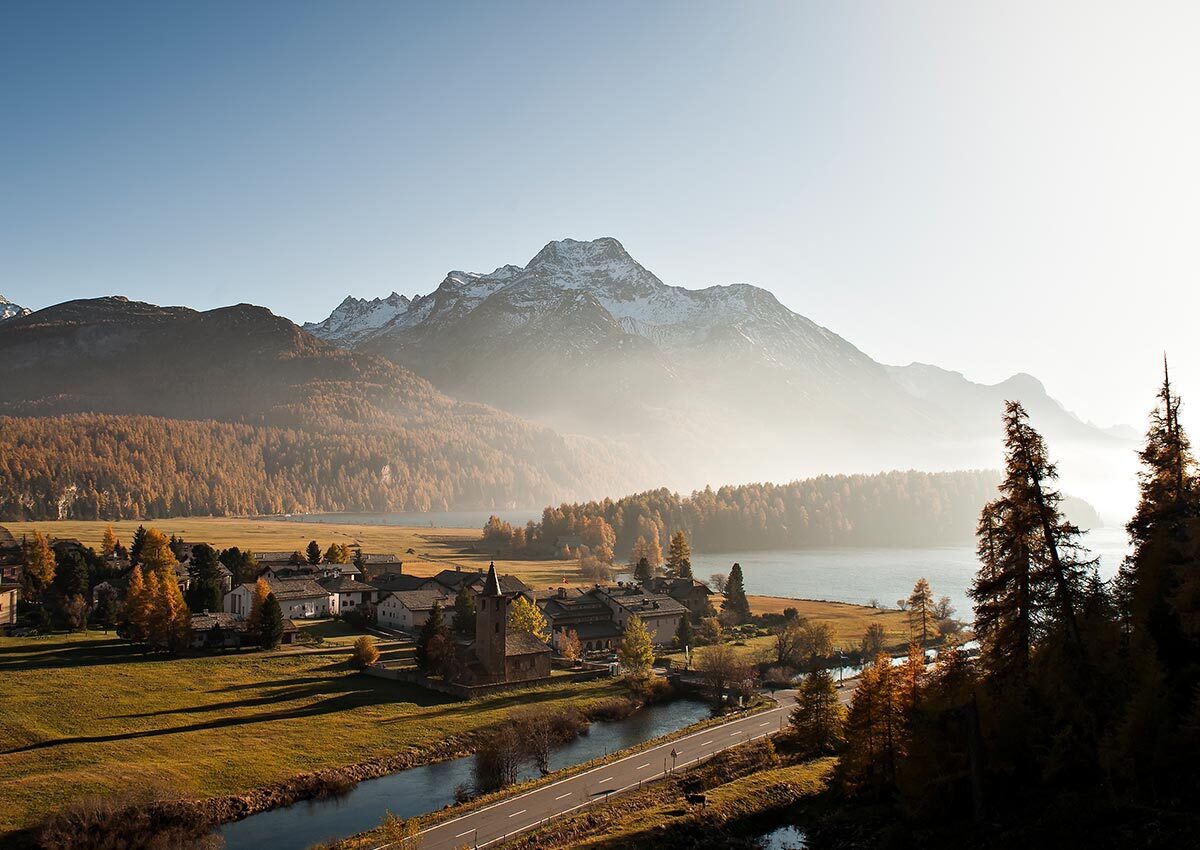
x: 859, y: 575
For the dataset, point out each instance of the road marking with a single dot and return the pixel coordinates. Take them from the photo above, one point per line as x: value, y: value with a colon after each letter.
x: 706, y: 743
x: 761, y: 725
x: 734, y: 734
x: 564, y: 796
x: 610, y: 779
x: 643, y: 766
x: 514, y: 814
x: 461, y: 834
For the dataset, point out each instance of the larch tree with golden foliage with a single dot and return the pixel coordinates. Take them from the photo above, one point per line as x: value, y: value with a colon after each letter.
x: 108, y: 546
x: 637, y: 649
x: 156, y: 553
x: 39, y: 565
x: 921, y: 616
x: 525, y: 616
x: 679, y: 556
x: 819, y: 718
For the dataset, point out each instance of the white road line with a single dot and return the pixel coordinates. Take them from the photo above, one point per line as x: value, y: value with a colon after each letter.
x: 564, y: 796
x: 643, y: 766
x: 761, y: 725
x: 706, y: 743
x: 461, y: 834
x: 514, y: 814
x: 735, y: 734
x: 609, y: 779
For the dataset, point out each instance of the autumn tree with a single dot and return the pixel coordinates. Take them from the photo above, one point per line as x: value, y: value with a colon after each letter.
x: 801, y: 644
x: 365, y: 654
x: 735, y: 605
x: 525, y: 616
x: 337, y: 553
x: 874, y: 641
x: 819, y: 717
x: 39, y: 565
x: 717, y: 582
x: 723, y: 668
x: 679, y: 556
x: 921, y: 616
x: 135, y: 546
x: 108, y: 546
x: 258, y: 599
x: 876, y: 730
x: 135, y: 613
x: 156, y: 553
x: 637, y: 649
x: 570, y: 646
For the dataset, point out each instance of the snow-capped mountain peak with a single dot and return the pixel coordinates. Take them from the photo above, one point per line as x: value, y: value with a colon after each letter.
x: 355, y: 318
x: 9, y: 310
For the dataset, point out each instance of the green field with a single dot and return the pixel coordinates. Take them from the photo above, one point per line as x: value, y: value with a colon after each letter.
x: 89, y: 714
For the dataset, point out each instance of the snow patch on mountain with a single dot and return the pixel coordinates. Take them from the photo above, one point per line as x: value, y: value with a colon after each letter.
x: 9, y: 310
x: 355, y: 318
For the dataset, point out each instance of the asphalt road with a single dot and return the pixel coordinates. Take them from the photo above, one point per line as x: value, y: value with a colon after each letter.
x: 505, y: 818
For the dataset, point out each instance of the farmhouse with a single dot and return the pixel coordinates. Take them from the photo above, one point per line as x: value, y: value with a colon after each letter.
x: 661, y: 614
x: 8, y: 606
x: 691, y: 593
x: 300, y: 599
x: 408, y: 610
x: 346, y: 594
x: 222, y: 630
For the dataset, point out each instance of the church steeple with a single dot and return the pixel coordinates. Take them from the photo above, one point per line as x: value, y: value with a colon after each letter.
x: 491, y: 626
x: 491, y: 585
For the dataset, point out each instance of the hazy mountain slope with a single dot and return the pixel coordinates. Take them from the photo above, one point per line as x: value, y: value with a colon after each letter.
x: 716, y: 384
x: 9, y: 310
x: 349, y: 415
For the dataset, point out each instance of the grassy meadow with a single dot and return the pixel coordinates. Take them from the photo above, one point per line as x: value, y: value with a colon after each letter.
x: 88, y: 714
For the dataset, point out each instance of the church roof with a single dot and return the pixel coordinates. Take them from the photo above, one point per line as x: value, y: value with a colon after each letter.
x: 491, y: 585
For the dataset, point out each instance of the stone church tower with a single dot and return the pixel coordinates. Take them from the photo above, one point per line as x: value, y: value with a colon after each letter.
x: 491, y: 626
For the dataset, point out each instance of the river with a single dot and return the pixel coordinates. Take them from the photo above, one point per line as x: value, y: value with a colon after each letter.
x: 419, y: 790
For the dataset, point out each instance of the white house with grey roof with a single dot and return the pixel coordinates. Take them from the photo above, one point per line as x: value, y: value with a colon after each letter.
x: 408, y: 610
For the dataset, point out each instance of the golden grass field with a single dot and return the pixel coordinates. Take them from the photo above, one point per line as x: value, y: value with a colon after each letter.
x: 849, y: 622
x: 89, y: 714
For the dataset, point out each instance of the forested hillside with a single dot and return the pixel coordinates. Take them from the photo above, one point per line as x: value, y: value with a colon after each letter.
x: 888, y: 509
x: 119, y: 409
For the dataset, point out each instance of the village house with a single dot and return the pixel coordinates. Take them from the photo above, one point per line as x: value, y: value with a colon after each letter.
x: 222, y: 630
x: 300, y: 599
x: 347, y: 594
x: 572, y: 609
x: 408, y: 610
x: 394, y: 581
x: 497, y: 654
x: 8, y: 607
x: 661, y: 614
x: 691, y: 593
x: 12, y: 558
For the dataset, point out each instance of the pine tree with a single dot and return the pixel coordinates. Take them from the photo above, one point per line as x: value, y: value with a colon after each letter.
x: 272, y: 622
x: 204, y: 585
x: 135, y: 548
x: 921, y: 610
x: 637, y: 649
x: 313, y: 553
x: 525, y: 616
x: 818, y: 718
x: 433, y: 633
x: 71, y: 575
x: 679, y: 557
x: 464, y: 612
x: 684, y: 635
x: 108, y: 545
x: 642, y: 572
x: 736, y: 604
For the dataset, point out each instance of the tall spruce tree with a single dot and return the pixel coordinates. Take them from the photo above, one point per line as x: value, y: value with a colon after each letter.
x: 204, y: 591
x: 433, y: 633
x: 921, y: 611
x: 736, y: 604
x: 464, y: 612
x: 313, y: 553
x: 272, y: 622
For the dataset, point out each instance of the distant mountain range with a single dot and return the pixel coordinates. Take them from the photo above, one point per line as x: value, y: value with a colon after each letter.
x: 9, y: 310
x: 695, y: 386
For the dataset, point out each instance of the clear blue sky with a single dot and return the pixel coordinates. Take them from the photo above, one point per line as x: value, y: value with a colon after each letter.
x: 920, y: 177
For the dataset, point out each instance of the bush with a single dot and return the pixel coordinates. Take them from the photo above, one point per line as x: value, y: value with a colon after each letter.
x: 652, y: 690
x: 365, y: 653
x: 142, y: 818
x: 612, y: 708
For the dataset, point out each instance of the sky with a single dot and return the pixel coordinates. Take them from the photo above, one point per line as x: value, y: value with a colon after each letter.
x: 991, y: 187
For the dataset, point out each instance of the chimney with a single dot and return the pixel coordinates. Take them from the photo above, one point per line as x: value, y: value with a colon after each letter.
x: 562, y: 593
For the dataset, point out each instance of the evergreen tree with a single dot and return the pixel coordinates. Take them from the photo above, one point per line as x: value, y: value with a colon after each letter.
x: 642, y: 573
x: 360, y: 560
x: 257, y: 603
x: 71, y: 575
x: 432, y: 634
x: 272, y: 622
x: 241, y: 563
x: 736, y: 604
x: 135, y: 548
x: 464, y: 612
x: 679, y: 557
x: 921, y: 611
x: 204, y: 585
x: 818, y: 718
x: 313, y: 553
x: 108, y: 545
x: 684, y: 635
x: 636, y: 653
x: 106, y: 612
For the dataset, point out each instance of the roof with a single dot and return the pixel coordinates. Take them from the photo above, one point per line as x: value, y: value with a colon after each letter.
x: 231, y: 622
x: 379, y: 558
x: 677, y: 585
x: 419, y: 600
x: 637, y: 601
x: 345, y: 584
x: 523, y: 643
x: 455, y: 578
x: 491, y: 585
x: 296, y: 588
x: 398, y: 581
x: 9, y: 588
x: 561, y: 592
x: 6, y: 538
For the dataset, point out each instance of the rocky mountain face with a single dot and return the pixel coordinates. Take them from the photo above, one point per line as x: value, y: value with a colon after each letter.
x: 695, y: 386
x: 9, y: 310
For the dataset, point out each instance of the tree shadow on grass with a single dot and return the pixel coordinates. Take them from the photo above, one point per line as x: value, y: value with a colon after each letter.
x: 63, y: 654
x: 352, y: 692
